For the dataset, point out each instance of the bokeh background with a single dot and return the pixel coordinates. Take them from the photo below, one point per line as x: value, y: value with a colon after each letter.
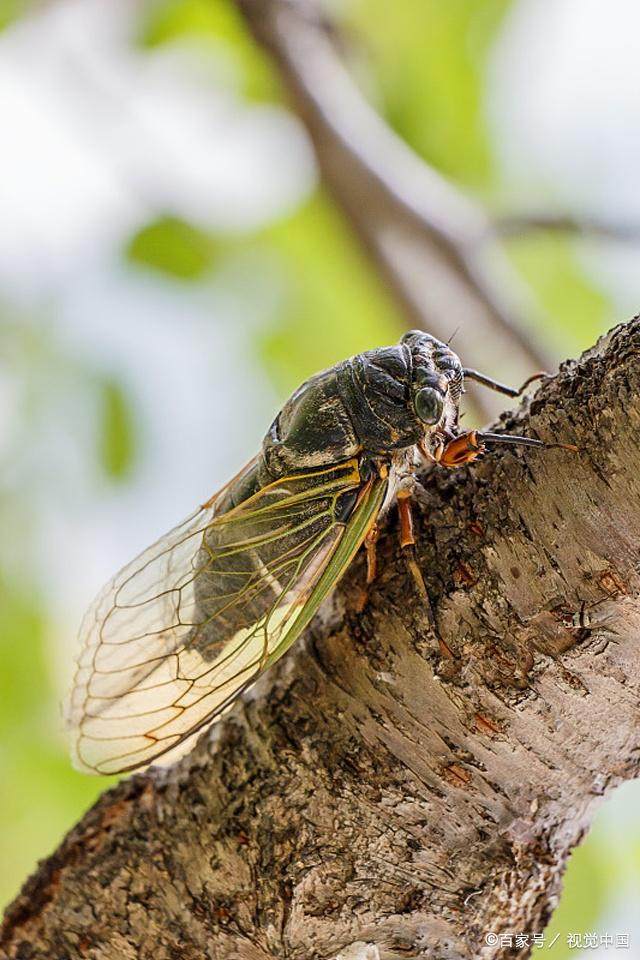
x: 170, y: 268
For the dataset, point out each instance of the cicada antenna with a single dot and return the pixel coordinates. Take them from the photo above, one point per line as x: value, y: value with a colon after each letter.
x: 509, y: 438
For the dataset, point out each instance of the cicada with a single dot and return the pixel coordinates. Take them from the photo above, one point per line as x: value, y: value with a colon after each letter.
x: 191, y: 623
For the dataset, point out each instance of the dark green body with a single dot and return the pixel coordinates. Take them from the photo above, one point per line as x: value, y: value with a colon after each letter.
x: 363, y: 409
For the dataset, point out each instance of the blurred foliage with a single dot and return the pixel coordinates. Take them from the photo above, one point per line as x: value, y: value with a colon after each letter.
x: 424, y: 67
x: 116, y: 430
x: 41, y: 795
x: 428, y: 60
x: 174, y: 247
x: 550, y: 264
x: 218, y: 24
x: 334, y: 304
x: 10, y: 10
x: 423, y: 63
x: 48, y: 379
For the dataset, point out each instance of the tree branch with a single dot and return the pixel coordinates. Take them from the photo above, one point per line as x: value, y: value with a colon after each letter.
x: 521, y: 224
x: 435, y: 248
x: 382, y: 794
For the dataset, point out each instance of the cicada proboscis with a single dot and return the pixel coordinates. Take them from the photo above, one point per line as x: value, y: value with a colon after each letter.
x: 193, y: 621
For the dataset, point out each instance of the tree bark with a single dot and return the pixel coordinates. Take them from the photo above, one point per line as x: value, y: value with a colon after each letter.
x: 382, y: 793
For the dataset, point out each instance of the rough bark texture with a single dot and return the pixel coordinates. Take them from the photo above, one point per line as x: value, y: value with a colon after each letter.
x: 381, y: 794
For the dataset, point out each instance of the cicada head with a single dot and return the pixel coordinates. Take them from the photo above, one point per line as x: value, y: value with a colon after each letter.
x: 405, y: 395
x: 436, y: 384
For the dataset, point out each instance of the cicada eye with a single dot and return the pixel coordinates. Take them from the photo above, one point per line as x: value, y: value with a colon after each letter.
x: 429, y: 405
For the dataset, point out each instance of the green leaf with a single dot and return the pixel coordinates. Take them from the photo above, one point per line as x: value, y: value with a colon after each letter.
x: 116, y: 431
x: 173, y: 247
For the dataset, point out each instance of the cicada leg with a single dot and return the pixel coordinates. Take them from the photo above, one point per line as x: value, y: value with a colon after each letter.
x: 370, y: 542
x: 371, y: 553
x: 408, y: 540
x: 371, y: 539
x: 405, y: 513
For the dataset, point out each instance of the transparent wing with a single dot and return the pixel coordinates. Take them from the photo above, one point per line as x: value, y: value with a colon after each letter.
x: 181, y: 631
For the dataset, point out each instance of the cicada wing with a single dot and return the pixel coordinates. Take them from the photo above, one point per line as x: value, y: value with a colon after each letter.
x: 181, y: 631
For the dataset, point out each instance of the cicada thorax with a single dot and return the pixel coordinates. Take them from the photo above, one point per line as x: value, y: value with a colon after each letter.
x: 364, y: 407
x: 314, y: 428
x: 251, y: 558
